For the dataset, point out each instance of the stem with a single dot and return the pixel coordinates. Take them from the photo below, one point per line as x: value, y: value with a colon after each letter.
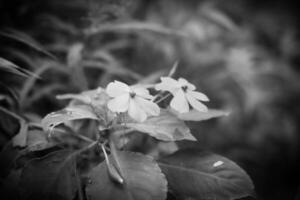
x: 78, y: 182
x: 113, y: 151
x: 81, y: 137
x: 36, y: 125
x: 84, y: 138
x: 114, y: 174
x: 174, y: 69
x: 159, y: 94
x: 163, y: 98
x: 87, y: 147
x: 105, y: 155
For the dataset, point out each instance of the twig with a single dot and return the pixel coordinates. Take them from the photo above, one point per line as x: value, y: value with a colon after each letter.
x: 163, y: 98
x: 115, y: 175
x: 113, y: 151
x: 82, y: 137
x: 86, y: 148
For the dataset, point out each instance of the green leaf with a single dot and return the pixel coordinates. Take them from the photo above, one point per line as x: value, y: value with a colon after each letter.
x: 25, y: 39
x: 21, y: 137
x: 2, y: 97
x: 37, y: 140
x: 216, y: 16
x: 110, y: 65
x: 50, y: 177
x: 166, y: 127
x: 135, y: 27
x: 153, y: 77
x: 9, y: 94
x: 96, y: 97
x: 195, y: 174
x: 33, y: 140
x: 74, y: 56
x: 9, y: 66
x: 142, y: 180
x: 195, y: 115
x: 69, y: 113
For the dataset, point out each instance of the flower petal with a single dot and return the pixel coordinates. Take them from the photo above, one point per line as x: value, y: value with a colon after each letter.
x: 167, y: 84
x: 142, y: 92
x: 198, y: 95
x: 196, y: 104
x: 184, y: 82
x: 179, y: 102
x: 119, y: 104
x: 135, y: 112
x: 117, y: 88
x: 148, y: 106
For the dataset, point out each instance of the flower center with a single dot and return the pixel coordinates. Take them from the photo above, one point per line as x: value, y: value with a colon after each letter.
x: 184, y: 88
x: 132, y: 94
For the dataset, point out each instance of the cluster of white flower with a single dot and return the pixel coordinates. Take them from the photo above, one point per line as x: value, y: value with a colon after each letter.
x: 139, y: 103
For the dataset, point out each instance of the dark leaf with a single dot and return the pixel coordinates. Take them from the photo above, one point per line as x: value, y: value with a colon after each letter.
x: 195, y: 174
x: 142, y: 176
x: 59, y: 24
x: 2, y: 97
x: 8, y: 157
x: 219, y: 18
x: 52, y: 177
x: 25, y: 39
x: 9, y: 94
x: 166, y: 127
x: 9, y: 186
x: 30, y: 82
x: 8, y: 66
x: 111, y: 65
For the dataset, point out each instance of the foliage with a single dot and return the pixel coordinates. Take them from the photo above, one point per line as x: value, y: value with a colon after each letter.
x: 66, y: 48
x: 125, y: 174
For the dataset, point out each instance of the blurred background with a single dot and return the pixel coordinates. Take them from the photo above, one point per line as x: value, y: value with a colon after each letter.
x: 244, y: 54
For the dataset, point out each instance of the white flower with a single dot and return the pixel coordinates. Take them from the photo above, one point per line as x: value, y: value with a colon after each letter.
x: 134, y: 99
x: 184, y: 94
